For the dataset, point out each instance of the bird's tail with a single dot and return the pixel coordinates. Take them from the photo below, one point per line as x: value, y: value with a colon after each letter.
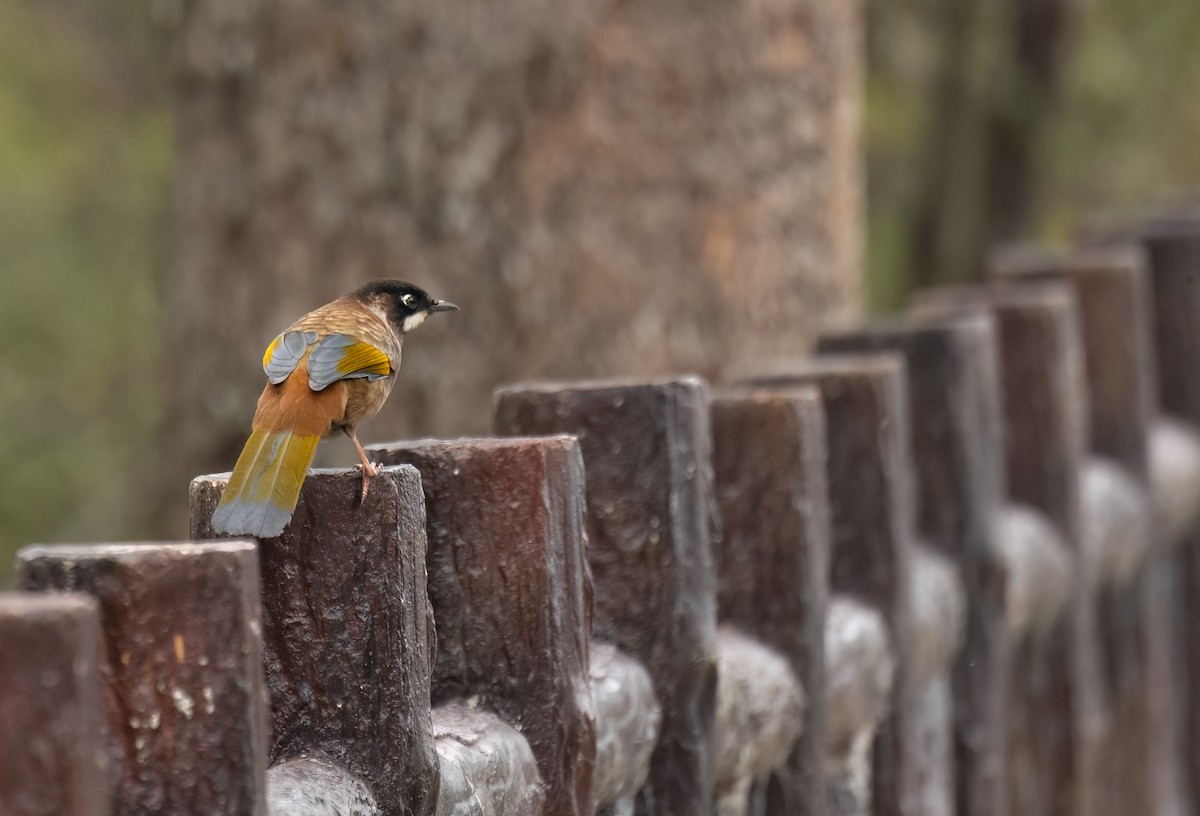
x: 265, y: 485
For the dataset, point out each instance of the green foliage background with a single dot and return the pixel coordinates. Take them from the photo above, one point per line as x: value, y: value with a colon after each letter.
x: 1122, y: 136
x: 85, y: 163
x: 85, y: 156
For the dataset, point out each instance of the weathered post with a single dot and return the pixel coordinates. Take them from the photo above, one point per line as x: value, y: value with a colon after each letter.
x: 953, y: 389
x: 646, y: 447
x: 1053, y: 698
x: 1138, y: 766
x: 54, y: 750
x: 182, y: 668
x: 347, y: 639
x: 511, y: 593
x: 769, y: 460
x: 1173, y: 249
x: 875, y: 560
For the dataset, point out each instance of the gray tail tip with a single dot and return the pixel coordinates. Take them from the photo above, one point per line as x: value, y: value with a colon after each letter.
x: 263, y: 520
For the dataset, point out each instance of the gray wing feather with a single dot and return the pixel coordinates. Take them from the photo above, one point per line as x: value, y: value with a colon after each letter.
x: 287, y: 354
x: 325, y: 358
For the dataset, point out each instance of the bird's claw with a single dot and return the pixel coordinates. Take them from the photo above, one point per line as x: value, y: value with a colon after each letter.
x: 369, y: 472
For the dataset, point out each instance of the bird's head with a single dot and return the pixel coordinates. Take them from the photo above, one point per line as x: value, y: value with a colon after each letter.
x: 404, y: 305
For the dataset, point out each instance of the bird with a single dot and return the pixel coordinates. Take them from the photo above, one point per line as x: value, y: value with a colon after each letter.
x: 327, y: 372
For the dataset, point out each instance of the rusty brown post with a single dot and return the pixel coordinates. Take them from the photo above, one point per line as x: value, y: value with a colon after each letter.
x: 769, y: 460
x: 182, y: 668
x: 511, y: 594
x: 347, y: 637
x: 54, y: 750
x: 646, y: 447
x: 1053, y: 704
x: 958, y: 453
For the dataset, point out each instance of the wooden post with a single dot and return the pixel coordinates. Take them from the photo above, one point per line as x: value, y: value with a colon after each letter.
x: 1053, y: 701
x: 186, y: 708
x: 958, y: 452
x: 1139, y: 767
x: 511, y: 594
x: 1111, y: 287
x: 769, y: 459
x: 870, y: 476
x: 347, y: 631
x: 646, y: 447
x: 1173, y: 250
x: 53, y: 745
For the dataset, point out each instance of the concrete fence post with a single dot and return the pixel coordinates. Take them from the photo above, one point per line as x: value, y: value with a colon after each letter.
x: 769, y: 463
x: 1138, y: 768
x: 646, y: 447
x: 958, y: 453
x: 875, y: 560
x: 348, y: 640
x: 54, y: 747
x: 182, y: 668
x: 511, y: 594
x: 1055, y: 716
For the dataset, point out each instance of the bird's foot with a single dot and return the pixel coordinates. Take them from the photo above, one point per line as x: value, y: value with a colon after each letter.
x: 369, y: 472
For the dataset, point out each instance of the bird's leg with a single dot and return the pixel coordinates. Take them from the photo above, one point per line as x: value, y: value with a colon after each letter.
x: 369, y: 470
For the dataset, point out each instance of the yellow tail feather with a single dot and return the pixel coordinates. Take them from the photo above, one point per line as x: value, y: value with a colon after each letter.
x: 265, y: 484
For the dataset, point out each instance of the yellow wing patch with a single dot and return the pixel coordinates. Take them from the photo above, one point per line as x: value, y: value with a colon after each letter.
x: 363, y: 359
x: 270, y: 352
x: 342, y: 357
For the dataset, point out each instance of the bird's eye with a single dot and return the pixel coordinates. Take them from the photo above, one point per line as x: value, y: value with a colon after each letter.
x: 410, y: 301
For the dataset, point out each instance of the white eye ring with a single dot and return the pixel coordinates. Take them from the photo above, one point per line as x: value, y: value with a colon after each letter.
x: 409, y: 300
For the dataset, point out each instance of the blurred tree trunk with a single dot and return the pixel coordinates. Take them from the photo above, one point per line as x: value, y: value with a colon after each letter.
x: 995, y: 90
x: 1025, y: 100
x: 605, y: 188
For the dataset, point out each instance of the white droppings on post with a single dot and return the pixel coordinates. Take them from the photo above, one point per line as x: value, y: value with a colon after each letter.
x: 184, y: 703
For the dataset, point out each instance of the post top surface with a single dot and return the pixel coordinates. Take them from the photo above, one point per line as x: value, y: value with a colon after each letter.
x: 873, y: 365
x: 24, y: 604
x: 747, y: 391
x: 917, y: 323
x: 1034, y: 260
x: 316, y: 473
x: 479, y: 443
x: 131, y: 550
x: 689, y: 381
x: 1003, y: 293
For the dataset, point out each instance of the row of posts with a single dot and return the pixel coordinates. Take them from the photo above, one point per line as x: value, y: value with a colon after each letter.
x: 946, y: 566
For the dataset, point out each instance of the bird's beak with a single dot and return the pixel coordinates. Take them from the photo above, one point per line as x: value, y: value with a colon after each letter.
x: 442, y: 306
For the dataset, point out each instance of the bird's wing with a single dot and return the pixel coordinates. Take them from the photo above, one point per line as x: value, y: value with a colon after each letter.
x: 344, y: 357
x: 285, y: 353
